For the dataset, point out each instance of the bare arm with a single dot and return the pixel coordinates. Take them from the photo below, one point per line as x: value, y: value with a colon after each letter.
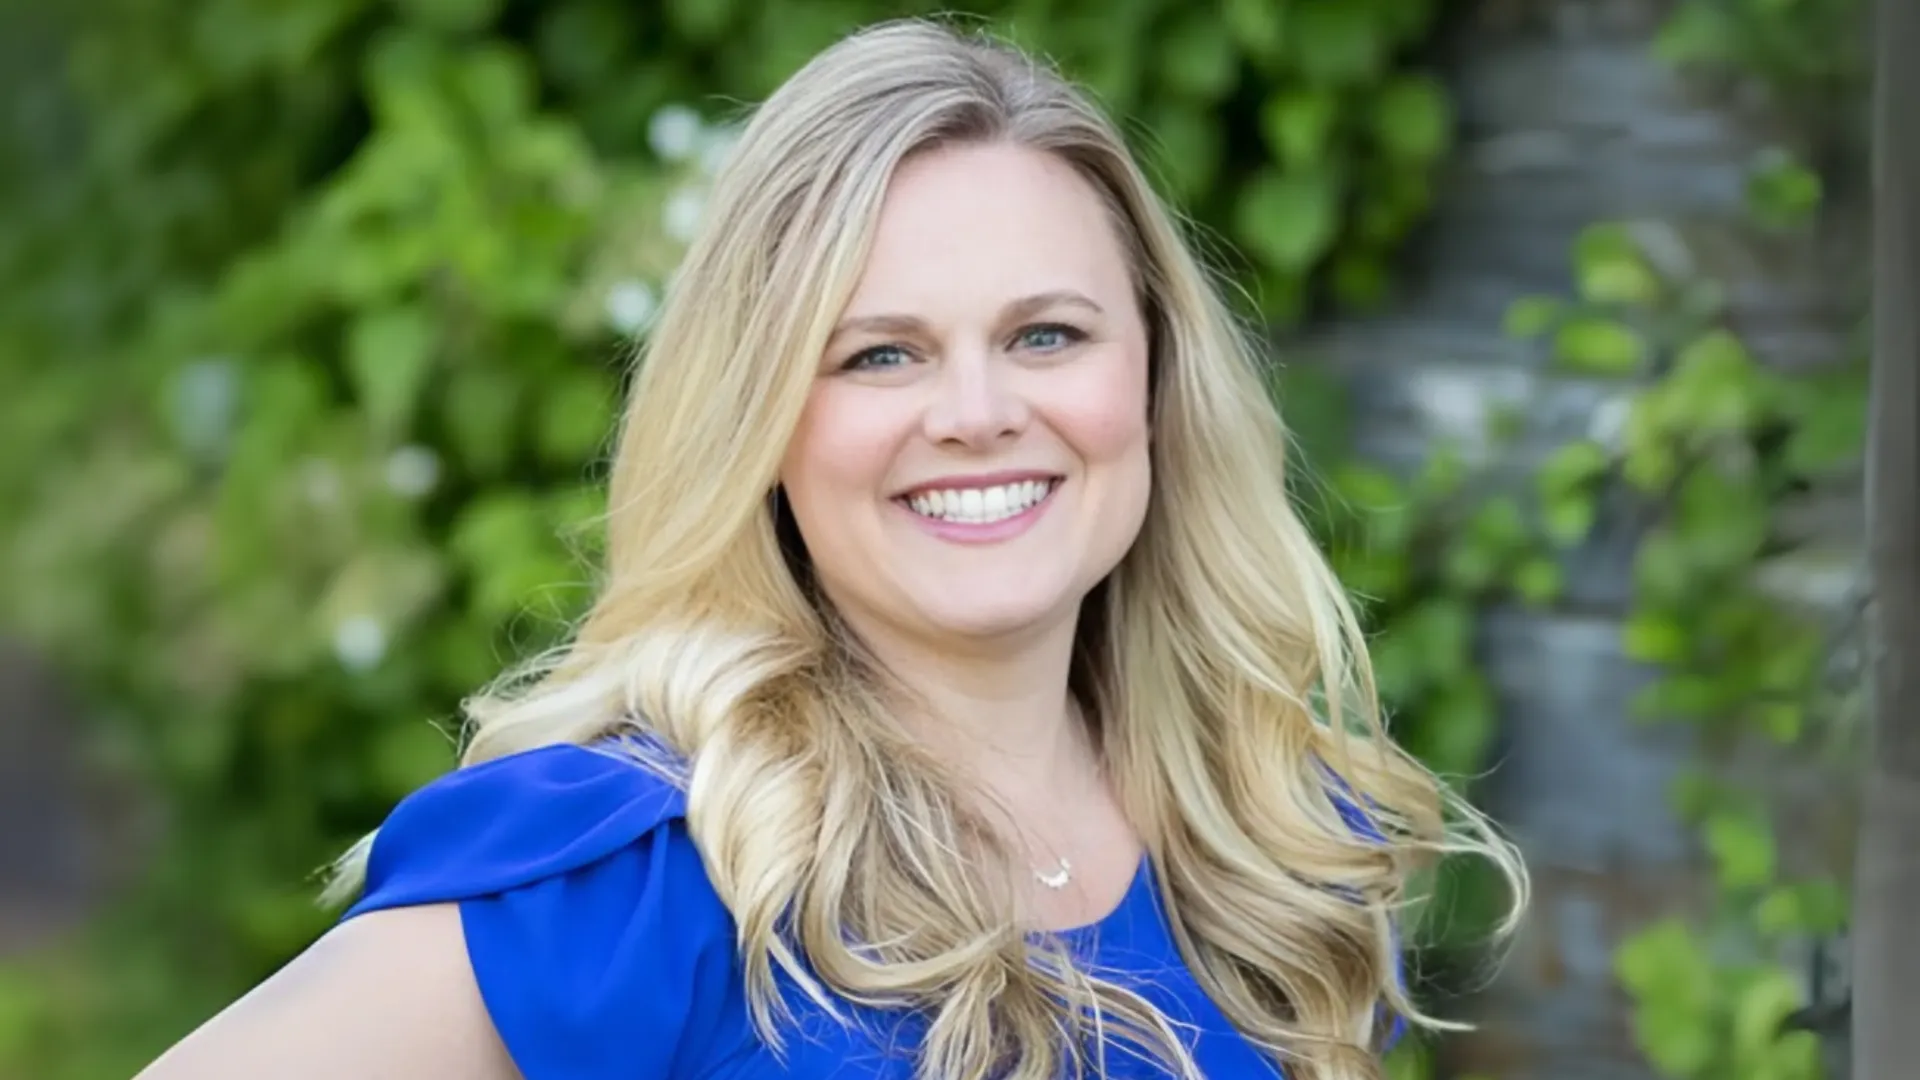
x: 385, y: 996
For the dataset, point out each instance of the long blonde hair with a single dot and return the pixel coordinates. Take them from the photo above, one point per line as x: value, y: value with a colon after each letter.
x: 1221, y: 662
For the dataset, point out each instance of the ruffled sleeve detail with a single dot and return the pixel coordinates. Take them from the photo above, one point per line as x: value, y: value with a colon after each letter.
x: 597, y: 941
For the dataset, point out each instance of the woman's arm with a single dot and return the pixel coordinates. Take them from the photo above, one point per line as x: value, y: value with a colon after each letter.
x: 387, y: 995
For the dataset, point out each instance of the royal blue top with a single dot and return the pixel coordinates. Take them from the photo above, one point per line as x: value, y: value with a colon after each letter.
x: 602, y: 951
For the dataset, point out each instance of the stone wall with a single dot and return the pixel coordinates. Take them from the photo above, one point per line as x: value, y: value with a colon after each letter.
x: 1568, y: 119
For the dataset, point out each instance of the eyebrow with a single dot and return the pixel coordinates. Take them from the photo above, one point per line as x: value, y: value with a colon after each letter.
x: 1025, y: 307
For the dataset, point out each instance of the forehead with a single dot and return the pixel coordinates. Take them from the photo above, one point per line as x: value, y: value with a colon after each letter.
x: 988, y: 222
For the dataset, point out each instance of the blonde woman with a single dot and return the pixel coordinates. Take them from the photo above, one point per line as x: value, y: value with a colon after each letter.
x: 963, y: 699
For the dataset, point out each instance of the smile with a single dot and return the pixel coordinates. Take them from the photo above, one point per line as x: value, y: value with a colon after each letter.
x: 982, y: 505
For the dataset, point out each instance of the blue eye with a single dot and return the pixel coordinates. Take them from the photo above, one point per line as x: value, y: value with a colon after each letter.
x: 880, y: 356
x: 1050, y: 337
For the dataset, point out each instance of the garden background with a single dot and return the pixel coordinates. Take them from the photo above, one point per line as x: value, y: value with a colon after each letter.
x: 314, y: 314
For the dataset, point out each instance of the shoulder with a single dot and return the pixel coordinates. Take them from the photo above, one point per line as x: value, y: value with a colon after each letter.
x: 516, y: 820
x: 386, y: 995
x: 595, y: 936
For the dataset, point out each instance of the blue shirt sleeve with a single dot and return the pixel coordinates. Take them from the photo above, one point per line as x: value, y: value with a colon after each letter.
x: 597, y: 941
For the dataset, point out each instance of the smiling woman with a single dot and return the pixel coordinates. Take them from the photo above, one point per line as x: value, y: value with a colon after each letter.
x: 964, y: 698
x: 995, y: 374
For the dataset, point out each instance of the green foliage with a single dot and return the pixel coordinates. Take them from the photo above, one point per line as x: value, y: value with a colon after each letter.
x: 1423, y: 555
x: 1805, y: 55
x: 316, y: 333
x: 1807, y: 61
x: 1716, y: 442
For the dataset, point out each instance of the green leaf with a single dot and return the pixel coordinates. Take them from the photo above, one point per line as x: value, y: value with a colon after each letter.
x: 1618, y: 281
x: 389, y: 357
x: 1673, y: 982
x: 1576, y: 466
x: 1539, y: 581
x: 1650, y: 465
x: 1298, y: 126
x: 1782, y: 721
x: 1289, y: 219
x: 1829, y: 431
x: 1681, y: 696
x: 1493, y: 536
x: 1716, y: 386
x: 1318, y: 408
x: 1722, y: 519
x: 26, y: 1009
x: 1259, y: 27
x: 1679, y: 1044
x: 1665, y: 964
x: 1360, y: 280
x: 1499, y: 524
x: 1368, y: 487
x: 1189, y: 149
x: 1412, y: 121
x: 481, y: 413
x: 1763, y: 1006
x: 1793, y: 1055
x: 1569, y: 516
x: 1653, y: 638
x: 1696, y: 795
x: 1442, y: 474
x: 1782, y: 193
x: 1824, y: 907
x: 452, y: 15
x: 1281, y: 293
x: 1409, y: 1061
x: 1532, y: 316
x: 497, y: 85
x: 576, y: 417
x: 1457, y: 727
x: 1595, y: 345
x: 1442, y: 632
x: 408, y: 755
x: 1610, y: 267
x: 1197, y: 58
x: 1697, y: 35
x: 1779, y: 913
x: 1604, y: 242
x: 1742, y: 850
x: 703, y: 22
x: 1336, y: 42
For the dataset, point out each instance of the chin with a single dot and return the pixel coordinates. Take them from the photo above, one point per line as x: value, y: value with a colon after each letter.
x: 979, y: 617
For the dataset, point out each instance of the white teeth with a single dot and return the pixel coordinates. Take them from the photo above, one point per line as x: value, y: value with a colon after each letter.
x: 981, y: 506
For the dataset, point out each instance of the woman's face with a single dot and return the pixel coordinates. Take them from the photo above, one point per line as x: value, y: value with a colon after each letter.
x: 973, y: 458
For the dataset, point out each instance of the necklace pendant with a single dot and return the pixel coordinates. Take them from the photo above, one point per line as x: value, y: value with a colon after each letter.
x: 1058, y: 879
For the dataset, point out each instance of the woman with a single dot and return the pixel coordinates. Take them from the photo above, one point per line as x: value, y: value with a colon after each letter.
x: 963, y: 698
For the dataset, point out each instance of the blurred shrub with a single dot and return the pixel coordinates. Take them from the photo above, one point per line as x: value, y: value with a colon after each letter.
x: 314, y: 327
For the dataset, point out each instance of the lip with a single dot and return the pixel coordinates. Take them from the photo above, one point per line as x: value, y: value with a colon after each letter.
x: 960, y: 532
x: 979, y: 480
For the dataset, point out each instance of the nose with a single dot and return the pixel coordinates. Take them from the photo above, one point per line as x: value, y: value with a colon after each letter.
x: 976, y: 402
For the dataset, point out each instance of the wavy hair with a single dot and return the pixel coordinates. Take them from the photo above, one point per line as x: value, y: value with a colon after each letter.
x: 1221, y: 665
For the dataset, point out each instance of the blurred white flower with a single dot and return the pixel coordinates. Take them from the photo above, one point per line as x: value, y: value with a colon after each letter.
x: 681, y: 216
x: 674, y: 132
x: 359, y: 641
x: 412, y: 471
x: 630, y: 306
x: 716, y: 148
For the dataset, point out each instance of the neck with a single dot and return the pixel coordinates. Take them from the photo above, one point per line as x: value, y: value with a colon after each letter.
x: 1003, y: 715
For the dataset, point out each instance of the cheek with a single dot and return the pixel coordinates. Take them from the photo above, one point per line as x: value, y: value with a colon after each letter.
x: 840, y: 451
x: 1103, y: 414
